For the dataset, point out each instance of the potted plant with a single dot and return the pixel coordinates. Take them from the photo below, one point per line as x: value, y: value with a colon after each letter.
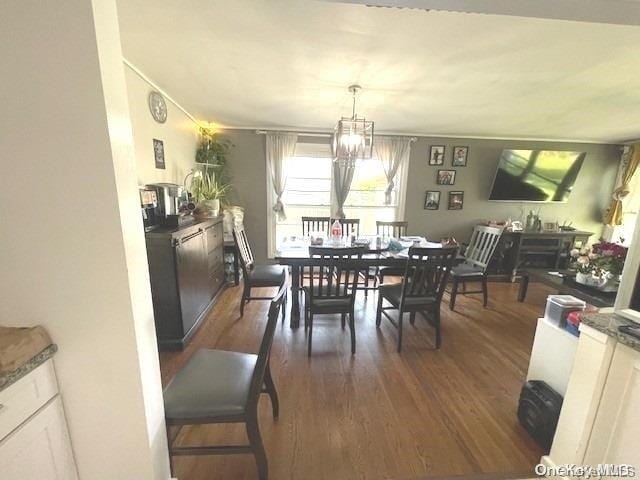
x: 209, y: 194
x: 212, y: 151
x: 600, y: 266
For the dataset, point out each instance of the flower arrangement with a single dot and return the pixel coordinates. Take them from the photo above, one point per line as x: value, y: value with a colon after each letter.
x: 600, y: 259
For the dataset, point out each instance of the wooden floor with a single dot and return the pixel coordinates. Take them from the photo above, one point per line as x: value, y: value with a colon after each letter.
x: 379, y: 414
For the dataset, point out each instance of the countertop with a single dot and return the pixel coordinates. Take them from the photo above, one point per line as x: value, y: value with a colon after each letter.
x: 21, y: 351
x: 608, y: 323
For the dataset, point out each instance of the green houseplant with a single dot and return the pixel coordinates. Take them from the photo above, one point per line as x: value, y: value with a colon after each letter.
x: 209, y: 194
x: 212, y: 151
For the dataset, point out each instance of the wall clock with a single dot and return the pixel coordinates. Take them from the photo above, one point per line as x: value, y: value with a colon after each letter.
x: 158, y: 107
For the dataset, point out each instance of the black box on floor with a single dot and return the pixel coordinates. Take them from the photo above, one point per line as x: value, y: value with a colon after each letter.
x: 539, y: 410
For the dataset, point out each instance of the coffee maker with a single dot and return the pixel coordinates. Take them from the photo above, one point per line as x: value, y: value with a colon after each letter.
x: 171, y: 210
x: 149, y: 206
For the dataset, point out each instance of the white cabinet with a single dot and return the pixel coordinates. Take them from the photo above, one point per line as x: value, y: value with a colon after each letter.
x: 616, y: 430
x: 600, y: 420
x: 34, y: 442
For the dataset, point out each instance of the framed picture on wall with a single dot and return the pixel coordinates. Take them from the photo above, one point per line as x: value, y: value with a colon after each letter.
x: 432, y: 200
x: 158, y: 153
x: 456, y: 200
x: 436, y: 155
x: 460, y: 156
x: 446, y: 177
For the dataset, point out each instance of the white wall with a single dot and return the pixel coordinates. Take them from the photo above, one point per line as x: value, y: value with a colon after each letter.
x: 179, y: 133
x: 73, y: 255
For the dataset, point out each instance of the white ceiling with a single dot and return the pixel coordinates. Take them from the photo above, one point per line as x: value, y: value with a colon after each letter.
x: 287, y: 64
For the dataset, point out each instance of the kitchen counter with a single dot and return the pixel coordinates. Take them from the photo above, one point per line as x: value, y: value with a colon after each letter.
x: 608, y: 324
x: 21, y: 351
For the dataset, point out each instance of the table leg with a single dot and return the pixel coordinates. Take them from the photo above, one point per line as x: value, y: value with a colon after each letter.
x: 524, y: 285
x: 295, y: 296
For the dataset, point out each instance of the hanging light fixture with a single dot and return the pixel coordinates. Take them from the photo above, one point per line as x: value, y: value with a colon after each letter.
x: 353, y: 136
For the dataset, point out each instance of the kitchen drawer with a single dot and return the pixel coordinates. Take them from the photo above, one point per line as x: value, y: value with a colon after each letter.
x: 215, y: 258
x: 216, y: 280
x: 214, y: 236
x: 21, y: 400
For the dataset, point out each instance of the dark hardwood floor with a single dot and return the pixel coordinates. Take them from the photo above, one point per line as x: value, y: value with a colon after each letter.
x: 379, y: 414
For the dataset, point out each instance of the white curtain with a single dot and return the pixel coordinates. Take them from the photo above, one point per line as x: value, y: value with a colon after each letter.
x: 393, y: 152
x: 280, y: 146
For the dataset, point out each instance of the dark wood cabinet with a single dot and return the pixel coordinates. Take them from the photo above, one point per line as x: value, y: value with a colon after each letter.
x: 517, y: 250
x: 187, y: 272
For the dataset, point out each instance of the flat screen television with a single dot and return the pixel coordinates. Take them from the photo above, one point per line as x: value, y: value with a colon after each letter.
x: 536, y: 175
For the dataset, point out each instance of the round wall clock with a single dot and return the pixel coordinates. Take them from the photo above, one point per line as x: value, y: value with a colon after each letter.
x: 158, y: 107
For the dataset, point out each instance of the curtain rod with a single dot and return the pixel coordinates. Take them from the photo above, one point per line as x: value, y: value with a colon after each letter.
x: 324, y: 135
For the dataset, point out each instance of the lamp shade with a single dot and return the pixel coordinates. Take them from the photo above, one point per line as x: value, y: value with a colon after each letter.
x: 353, y: 138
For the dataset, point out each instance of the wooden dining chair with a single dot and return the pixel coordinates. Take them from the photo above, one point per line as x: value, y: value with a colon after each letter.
x: 315, y: 224
x: 217, y: 386
x: 332, y: 287
x: 425, y: 278
x: 256, y: 276
x: 390, y: 230
x: 350, y: 226
x: 477, y: 256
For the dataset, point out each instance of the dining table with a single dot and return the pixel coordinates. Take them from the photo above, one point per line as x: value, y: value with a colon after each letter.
x: 293, y: 252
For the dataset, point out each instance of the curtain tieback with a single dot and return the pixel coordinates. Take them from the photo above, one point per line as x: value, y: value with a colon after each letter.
x: 387, y: 192
x: 621, y: 192
x: 278, y: 207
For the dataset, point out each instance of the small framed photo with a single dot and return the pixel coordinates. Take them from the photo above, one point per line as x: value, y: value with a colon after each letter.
x: 456, y: 200
x: 446, y: 177
x: 436, y: 155
x: 432, y: 200
x: 459, y: 156
x: 158, y: 153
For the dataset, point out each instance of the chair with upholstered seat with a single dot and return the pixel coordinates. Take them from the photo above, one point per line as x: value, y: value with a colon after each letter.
x: 217, y: 386
x: 425, y: 278
x: 332, y: 287
x: 256, y: 276
x: 477, y: 256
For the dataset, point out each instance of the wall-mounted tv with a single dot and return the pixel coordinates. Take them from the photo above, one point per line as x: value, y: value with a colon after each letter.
x: 536, y: 175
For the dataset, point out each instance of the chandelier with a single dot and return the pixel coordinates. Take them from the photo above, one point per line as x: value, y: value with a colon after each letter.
x: 353, y: 136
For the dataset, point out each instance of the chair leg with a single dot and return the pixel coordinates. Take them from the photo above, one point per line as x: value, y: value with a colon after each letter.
x: 464, y: 287
x: 343, y: 319
x: 255, y: 440
x: 400, y: 315
x: 436, y: 317
x: 246, y: 293
x: 310, y: 333
x: 379, y: 310
x: 352, y: 327
x: 412, y: 318
x: 454, y: 292
x: 271, y: 390
x: 366, y: 284
x: 485, y: 293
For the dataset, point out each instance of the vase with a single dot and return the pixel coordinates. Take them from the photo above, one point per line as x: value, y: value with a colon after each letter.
x: 610, y: 283
x: 209, y: 208
x: 582, y: 278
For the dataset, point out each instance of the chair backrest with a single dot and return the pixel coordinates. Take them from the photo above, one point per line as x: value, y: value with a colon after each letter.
x: 427, y: 272
x: 483, y: 243
x: 350, y: 226
x: 335, y: 274
x: 315, y: 224
x: 257, y: 380
x: 391, y: 229
x: 244, y: 250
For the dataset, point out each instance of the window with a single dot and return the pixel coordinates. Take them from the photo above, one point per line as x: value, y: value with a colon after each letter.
x: 308, y: 188
x: 631, y: 209
x: 366, y: 197
x: 309, y: 192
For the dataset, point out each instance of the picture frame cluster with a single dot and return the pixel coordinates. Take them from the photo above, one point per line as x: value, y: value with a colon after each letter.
x: 447, y: 177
